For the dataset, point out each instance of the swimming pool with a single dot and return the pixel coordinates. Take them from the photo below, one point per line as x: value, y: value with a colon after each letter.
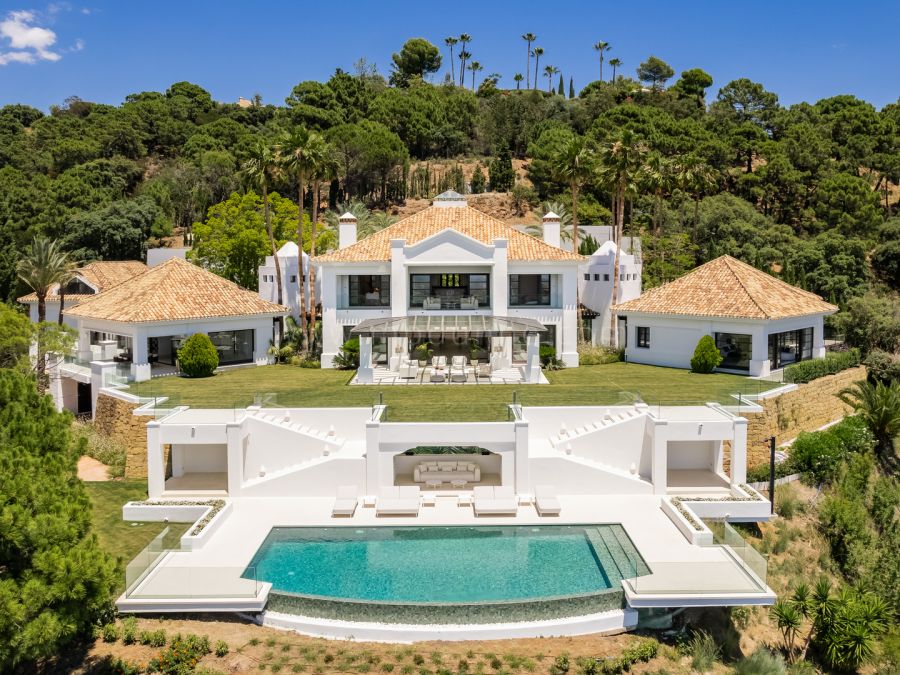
x: 446, y: 565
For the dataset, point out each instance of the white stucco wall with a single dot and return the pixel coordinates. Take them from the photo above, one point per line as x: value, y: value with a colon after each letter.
x: 199, y: 458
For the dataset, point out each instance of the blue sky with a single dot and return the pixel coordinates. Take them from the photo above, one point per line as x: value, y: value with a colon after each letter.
x: 102, y: 51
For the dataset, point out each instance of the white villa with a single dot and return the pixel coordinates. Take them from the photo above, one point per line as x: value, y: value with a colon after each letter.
x: 288, y: 260
x: 134, y: 328
x: 759, y: 323
x: 461, y: 281
x: 596, y: 285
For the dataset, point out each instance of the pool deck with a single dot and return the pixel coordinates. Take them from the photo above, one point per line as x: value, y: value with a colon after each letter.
x: 683, y: 574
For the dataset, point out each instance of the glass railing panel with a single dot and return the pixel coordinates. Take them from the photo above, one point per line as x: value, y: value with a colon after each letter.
x: 146, y: 559
x: 169, y: 581
x: 695, y: 578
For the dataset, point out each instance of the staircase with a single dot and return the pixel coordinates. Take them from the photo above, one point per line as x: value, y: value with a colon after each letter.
x: 616, y: 553
x: 608, y: 420
x: 331, y: 439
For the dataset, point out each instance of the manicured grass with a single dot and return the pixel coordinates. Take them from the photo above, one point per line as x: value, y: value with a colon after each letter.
x: 122, y: 539
x: 608, y: 384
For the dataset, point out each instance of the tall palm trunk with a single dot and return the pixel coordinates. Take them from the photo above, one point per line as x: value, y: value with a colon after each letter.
x: 312, y: 271
x: 268, y: 218
x: 62, y: 304
x: 40, y: 361
x: 452, y: 67
x: 619, y: 217
x: 528, y: 68
x: 301, y: 281
x: 537, y: 59
x: 579, y: 312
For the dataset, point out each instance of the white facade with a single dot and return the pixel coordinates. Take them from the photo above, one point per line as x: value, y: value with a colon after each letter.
x: 595, y: 281
x: 450, y: 252
x: 671, y: 340
x: 287, y: 259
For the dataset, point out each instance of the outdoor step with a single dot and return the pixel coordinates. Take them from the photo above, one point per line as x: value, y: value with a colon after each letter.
x: 628, y: 548
x: 623, y: 563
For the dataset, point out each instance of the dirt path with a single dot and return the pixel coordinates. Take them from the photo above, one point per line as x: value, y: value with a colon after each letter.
x: 90, y: 470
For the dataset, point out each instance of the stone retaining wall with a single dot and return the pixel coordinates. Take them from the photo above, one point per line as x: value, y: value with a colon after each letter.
x: 807, y: 408
x: 115, y: 418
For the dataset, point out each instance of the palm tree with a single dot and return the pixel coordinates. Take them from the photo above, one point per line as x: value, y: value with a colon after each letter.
x: 879, y: 406
x: 518, y: 80
x: 621, y: 163
x: 64, y: 278
x: 44, y: 266
x: 537, y: 51
x: 694, y: 176
x: 658, y: 179
x: 529, y: 38
x: 475, y: 67
x: 450, y: 41
x: 565, y: 220
x: 258, y: 169
x: 602, y: 47
x: 549, y: 72
x: 299, y: 157
x: 325, y: 168
x: 615, y: 63
x: 573, y: 164
x: 464, y: 39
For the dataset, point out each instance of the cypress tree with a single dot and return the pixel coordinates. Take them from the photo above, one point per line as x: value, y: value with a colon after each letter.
x: 560, y: 89
x: 571, y: 88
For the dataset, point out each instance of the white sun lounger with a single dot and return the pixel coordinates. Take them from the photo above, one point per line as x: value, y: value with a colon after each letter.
x: 398, y: 501
x: 494, y: 501
x: 545, y: 500
x: 346, y: 501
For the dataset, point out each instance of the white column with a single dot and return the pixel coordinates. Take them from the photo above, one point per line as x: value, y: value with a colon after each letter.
x: 500, y: 278
x: 659, y: 461
x: 366, y: 373
x: 332, y: 332
x: 84, y: 345
x: 759, y: 357
x: 156, y: 464
x: 567, y: 338
x: 739, y: 452
x: 523, y: 479
x: 100, y: 371
x: 235, y: 458
x: 399, y: 278
x: 373, y: 431
x: 533, y: 365
x: 140, y: 363
x: 818, y: 345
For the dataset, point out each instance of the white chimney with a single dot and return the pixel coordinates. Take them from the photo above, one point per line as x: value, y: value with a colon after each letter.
x: 551, y: 229
x: 346, y: 230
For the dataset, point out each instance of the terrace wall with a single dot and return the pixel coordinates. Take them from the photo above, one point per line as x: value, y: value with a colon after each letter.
x: 809, y: 407
x: 115, y: 418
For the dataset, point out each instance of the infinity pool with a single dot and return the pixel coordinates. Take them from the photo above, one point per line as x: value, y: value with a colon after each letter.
x: 445, y: 564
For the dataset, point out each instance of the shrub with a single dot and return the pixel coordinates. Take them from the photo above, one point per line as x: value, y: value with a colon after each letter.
x: 835, y: 362
x: 110, y: 632
x: 883, y: 366
x: 101, y: 447
x: 816, y: 455
x: 197, y: 356
x: 787, y: 504
x: 560, y: 665
x: 153, y: 638
x: 641, y: 651
x: 182, y: 655
x: 761, y: 662
x: 760, y: 472
x: 221, y: 648
x: 706, y: 356
x: 129, y: 630
x: 310, y: 363
x: 548, y: 358
x: 854, y: 434
x: 348, y: 356
x: 597, y: 355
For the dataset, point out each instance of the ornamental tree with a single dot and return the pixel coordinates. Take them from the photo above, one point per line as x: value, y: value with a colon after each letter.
x: 198, y: 356
x: 706, y: 356
x: 56, y: 582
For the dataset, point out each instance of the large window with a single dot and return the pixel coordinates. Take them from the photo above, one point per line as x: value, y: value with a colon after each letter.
x: 529, y: 290
x: 450, y: 291
x: 234, y: 346
x: 735, y: 349
x: 520, y: 343
x: 790, y: 347
x: 643, y: 337
x: 370, y: 290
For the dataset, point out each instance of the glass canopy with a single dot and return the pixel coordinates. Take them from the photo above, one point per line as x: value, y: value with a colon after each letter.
x: 405, y: 326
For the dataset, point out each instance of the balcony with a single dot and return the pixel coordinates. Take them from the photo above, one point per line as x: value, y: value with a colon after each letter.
x: 463, y: 292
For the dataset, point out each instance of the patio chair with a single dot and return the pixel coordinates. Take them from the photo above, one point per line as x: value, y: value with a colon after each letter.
x: 494, y: 501
x: 458, y: 369
x: 431, y: 303
x: 439, y: 361
x: 468, y: 303
x: 545, y: 501
x: 345, y: 502
x: 408, y: 369
x: 483, y: 370
x: 398, y: 501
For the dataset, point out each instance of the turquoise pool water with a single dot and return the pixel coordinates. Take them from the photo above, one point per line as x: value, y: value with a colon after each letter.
x: 444, y: 564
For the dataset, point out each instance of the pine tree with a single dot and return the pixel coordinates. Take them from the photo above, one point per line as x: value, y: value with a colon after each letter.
x: 501, y: 173
x: 57, y: 582
x: 477, y: 184
x: 560, y: 89
x: 571, y: 88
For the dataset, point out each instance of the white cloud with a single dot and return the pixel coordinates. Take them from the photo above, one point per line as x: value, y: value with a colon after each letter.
x: 29, y: 43
x: 78, y: 46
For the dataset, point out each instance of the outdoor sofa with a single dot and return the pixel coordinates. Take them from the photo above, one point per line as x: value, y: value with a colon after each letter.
x: 494, y: 501
x: 545, y: 501
x: 346, y: 501
x: 398, y: 501
x: 447, y: 471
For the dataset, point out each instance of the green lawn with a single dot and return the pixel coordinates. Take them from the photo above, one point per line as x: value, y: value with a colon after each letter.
x: 586, y: 385
x: 120, y: 538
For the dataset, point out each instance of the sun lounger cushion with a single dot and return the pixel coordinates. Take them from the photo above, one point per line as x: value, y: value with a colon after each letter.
x: 545, y: 500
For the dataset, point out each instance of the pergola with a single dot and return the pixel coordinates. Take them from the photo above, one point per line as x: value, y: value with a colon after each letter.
x: 476, y: 325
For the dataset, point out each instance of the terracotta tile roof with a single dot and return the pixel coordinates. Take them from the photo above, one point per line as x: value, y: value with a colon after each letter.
x: 434, y: 219
x: 726, y: 287
x: 174, y: 291
x: 101, y: 274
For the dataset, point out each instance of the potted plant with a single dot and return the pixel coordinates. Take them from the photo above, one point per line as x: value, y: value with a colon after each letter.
x: 422, y: 353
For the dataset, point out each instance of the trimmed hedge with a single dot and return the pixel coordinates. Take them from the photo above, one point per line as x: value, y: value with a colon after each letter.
x: 198, y: 356
x: 706, y: 356
x: 807, y: 371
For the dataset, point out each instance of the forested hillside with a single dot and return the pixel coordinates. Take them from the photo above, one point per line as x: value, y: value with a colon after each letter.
x: 808, y: 192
